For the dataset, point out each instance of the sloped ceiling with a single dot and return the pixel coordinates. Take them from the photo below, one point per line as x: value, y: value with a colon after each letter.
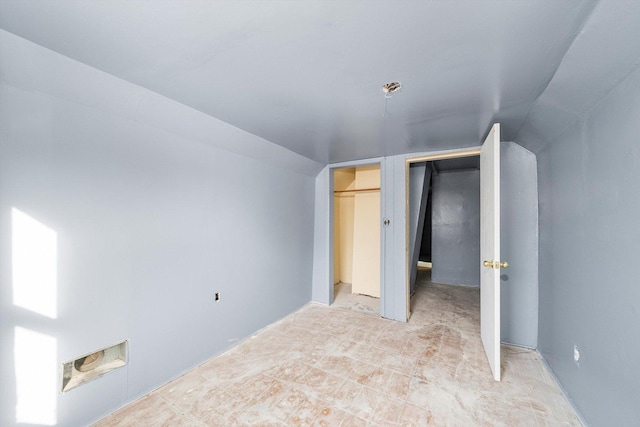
x: 307, y: 75
x: 601, y: 57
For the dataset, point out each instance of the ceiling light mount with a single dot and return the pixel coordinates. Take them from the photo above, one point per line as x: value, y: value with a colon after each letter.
x: 390, y: 88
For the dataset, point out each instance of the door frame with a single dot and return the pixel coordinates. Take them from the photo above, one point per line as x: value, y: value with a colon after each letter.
x: 332, y: 167
x: 468, y: 152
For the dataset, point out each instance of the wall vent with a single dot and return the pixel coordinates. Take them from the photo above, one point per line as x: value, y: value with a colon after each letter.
x: 93, y: 365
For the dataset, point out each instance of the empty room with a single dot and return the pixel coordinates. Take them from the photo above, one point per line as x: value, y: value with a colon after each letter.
x: 217, y: 213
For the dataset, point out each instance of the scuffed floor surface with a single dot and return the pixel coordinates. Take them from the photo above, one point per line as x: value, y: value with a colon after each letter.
x: 331, y: 366
x: 361, y: 303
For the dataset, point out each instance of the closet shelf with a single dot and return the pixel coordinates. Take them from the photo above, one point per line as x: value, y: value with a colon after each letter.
x: 356, y: 190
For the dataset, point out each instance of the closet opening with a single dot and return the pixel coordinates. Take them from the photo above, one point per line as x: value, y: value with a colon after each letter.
x: 356, y: 238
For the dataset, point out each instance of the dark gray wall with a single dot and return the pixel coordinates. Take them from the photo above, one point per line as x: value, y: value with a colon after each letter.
x: 519, y: 245
x: 425, y: 247
x: 589, y: 184
x: 149, y: 224
x: 455, y: 240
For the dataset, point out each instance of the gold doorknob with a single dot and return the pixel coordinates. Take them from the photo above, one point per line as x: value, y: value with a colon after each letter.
x: 496, y: 264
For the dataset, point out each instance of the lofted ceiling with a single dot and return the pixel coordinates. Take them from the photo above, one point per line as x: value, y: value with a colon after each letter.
x: 308, y: 75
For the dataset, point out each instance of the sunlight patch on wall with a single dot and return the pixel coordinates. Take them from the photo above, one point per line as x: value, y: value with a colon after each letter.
x: 34, y: 264
x: 36, y: 377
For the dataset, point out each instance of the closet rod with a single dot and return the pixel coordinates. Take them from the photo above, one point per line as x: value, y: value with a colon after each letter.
x: 355, y: 191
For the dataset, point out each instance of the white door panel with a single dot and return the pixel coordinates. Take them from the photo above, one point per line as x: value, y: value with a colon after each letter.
x: 490, y: 248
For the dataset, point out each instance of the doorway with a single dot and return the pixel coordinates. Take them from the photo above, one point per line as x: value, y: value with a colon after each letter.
x: 421, y: 178
x: 447, y: 234
x: 356, y: 238
x: 519, y: 216
x: 445, y: 272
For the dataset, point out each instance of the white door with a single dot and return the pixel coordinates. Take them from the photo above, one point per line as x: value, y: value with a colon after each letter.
x: 490, y: 248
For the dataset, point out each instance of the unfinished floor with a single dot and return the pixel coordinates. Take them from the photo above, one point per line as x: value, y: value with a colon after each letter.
x: 344, y: 298
x: 332, y: 366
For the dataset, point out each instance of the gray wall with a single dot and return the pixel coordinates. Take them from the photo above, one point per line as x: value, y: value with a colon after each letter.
x: 151, y: 219
x: 519, y: 245
x: 393, y: 298
x: 589, y: 184
x: 455, y: 242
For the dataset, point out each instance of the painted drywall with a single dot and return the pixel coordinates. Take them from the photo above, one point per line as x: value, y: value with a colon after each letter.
x: 143, y: 225
x: 336, y: 241
x: 366, y: 232
x: 344, y: 179
x: 419, y: 183
x: 323, y: 222
x: 589, y: 235
x: 519, y: 245
x: 455, y: 222
x: 393, y: 301
x: 308, y: 75
x: 584, y: 131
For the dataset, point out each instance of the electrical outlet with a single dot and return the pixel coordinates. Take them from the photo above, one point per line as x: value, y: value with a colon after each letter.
x: 217, y: 296
x: 576, y: 354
